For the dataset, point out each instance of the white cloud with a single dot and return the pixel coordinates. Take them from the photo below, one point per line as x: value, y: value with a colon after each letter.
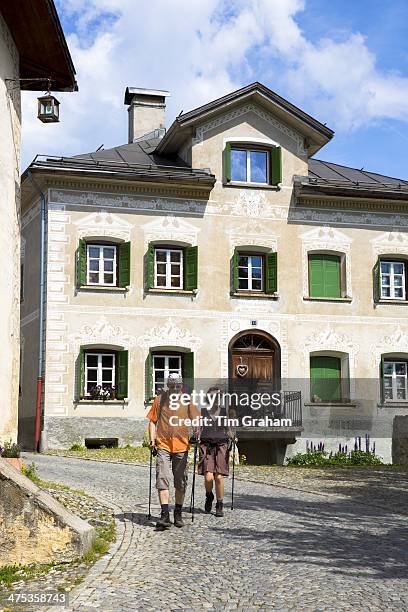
x: 200, y: 50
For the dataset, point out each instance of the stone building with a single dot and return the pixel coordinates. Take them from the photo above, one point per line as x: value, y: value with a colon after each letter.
x: 32, y: 49
x: 221, y: 248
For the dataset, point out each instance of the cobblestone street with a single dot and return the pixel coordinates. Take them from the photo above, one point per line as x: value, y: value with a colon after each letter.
x: 281, y: 548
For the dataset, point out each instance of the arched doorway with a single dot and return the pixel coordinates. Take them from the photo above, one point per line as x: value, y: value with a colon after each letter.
x: 255, y: 356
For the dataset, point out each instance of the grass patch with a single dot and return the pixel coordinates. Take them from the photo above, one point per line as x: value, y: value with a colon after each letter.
x: 127, y: 454
x: 14, y: 573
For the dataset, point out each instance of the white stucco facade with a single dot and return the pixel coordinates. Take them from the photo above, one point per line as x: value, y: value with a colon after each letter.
x: 10, y: 123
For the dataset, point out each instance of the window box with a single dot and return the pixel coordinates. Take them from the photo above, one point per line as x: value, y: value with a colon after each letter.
x: 252, y: 165
x: 173, y: 291
x: 103, y: 289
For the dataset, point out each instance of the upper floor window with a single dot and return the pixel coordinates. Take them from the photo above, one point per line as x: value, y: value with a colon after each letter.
x: 172, y: 268
x: 168, y: 268
x: 252, y: 164
x: 255, y: 272
x: 325, y: 275
x: 392, y: 280
x: 103, y: 264
x: 249, y: 166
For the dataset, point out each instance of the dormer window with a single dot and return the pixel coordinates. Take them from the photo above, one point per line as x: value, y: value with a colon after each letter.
x: 249, y: 166
x: 252, y: 164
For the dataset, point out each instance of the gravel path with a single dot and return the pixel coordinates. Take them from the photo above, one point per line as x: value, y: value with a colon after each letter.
x: 281, y: 548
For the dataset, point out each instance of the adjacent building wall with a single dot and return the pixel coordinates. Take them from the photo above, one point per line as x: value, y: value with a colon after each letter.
x: 10, y: 117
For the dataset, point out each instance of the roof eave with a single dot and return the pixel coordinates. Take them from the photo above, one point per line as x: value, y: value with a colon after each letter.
x: 317, y: 133
x: 303, y: 189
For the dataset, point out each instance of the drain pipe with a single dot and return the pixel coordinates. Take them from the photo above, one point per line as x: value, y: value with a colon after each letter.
x: 40, y: 380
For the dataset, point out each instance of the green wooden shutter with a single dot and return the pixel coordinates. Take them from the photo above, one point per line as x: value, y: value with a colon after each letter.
x: 150, y: 266
x: 149, y: 375
x: 271, y: 273
x: 377, y: 281
x: 80, y: 374
x: 81, y: 264
x: 191, y: 268
x: 227, y: 162
x: 124, y: 264
x: 332, y: 276
x: 188, y: 366
x: 324, y: 275
x: 122, y: 366
x: 382, y: 386
x: 235, y: 282
x: 316, y: 276
x: 276, y: 165
x: 325, y: 378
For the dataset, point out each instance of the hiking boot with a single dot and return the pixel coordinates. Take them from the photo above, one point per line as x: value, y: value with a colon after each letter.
x: 178, y: 519
x: 219, y: 509
x: 164, y: 520
x: 209, y: 498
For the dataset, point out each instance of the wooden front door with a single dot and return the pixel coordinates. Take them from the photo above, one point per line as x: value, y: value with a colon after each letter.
x: 253, y: 360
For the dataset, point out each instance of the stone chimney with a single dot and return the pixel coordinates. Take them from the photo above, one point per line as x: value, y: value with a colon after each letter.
x: 147, y: 109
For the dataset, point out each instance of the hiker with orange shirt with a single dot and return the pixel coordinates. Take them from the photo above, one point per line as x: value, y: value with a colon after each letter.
x: 170, y: 437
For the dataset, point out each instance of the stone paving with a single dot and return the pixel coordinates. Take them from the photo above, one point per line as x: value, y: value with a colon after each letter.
x: 281, y: 548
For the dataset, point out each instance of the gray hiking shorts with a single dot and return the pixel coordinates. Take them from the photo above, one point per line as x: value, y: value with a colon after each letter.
x: 168, y: 465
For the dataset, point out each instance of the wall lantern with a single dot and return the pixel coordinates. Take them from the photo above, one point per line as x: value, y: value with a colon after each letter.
x: 48, y: 108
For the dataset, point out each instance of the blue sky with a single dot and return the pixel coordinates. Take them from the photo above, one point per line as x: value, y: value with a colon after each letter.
x: 344, y: 62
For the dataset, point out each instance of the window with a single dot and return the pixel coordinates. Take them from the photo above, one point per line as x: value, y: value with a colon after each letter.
x: 253, y: 164
x: 160, y: 364
x: 255, y: 272
x: 395, y: 380
x: 163, y: 365
x: 168, y: 268
x: 325, y: 275
x: 325, y: 378
x: 392, y: 280
x: 250, y: 272
x: 101, y: 262
x: 249, y: 166
x: 99, y: 372
x: 172, y: 268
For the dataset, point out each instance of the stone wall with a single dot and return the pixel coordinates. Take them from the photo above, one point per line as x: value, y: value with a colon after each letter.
x: 34, y: 527
x: 62, y: 432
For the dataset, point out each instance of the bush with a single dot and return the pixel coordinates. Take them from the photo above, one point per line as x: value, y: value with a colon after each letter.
x: 10, y: 450
x: 323, y: 458
x: 146, y: 440
x: 77, y: 447
x: 30, y: 472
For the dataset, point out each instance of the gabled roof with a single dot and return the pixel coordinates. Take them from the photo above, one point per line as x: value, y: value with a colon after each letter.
x: 39, y: 38
x: 315, y: 133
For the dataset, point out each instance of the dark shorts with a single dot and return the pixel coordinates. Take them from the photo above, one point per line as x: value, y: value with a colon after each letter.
x: 214, y: 458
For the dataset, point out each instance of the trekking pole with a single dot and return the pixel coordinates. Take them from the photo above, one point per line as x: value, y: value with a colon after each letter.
x: 193, y: 483
x: 149, y: 516
x: 233, y: 476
